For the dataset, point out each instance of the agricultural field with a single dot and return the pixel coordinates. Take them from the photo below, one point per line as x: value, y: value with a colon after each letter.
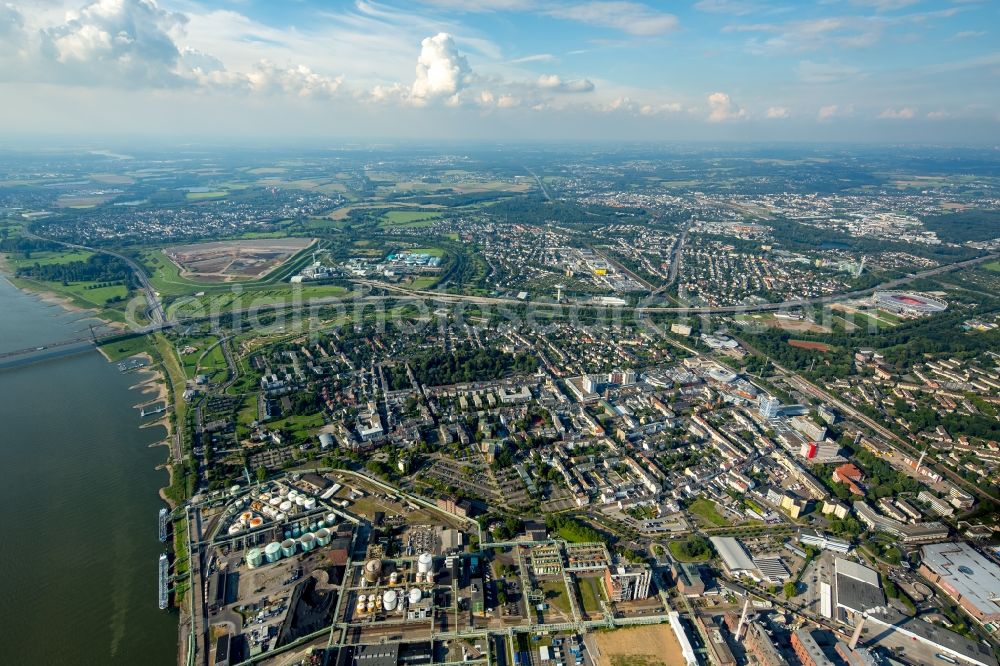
x: 228, y: 261
x: 409, y: 218
x: 653, y: 645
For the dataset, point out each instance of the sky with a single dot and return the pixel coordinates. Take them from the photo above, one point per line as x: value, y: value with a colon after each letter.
x: 924, y: 71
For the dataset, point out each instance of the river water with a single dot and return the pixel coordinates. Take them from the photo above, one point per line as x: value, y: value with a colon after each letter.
x: 78, y: 504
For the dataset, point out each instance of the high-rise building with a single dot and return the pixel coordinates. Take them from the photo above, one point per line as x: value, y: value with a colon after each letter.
x: 768, y: 406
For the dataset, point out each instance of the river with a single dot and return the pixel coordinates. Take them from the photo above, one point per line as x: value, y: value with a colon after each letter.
x: 78, y: 495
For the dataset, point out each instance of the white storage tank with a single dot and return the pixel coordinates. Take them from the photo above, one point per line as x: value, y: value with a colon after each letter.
x: 389, y: 600
x: 331, y: 519
x: 310, y: 504
x: 288, y: 547
x: 300, y: 501
x: 415, y: 596
x: 323, y: 536
x: 256, y: 522
x: 285, y: 506
x: 394, y: 578
x: 274, y: 501
x: 283, y: 490
x: 273, y: 551
x: 308, y: 541
x: 429, y: 577
x: 235, y: 528
x: 254, y: 558
x: 425, y: 562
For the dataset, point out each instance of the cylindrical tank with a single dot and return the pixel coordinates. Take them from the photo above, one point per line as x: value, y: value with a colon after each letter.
x: 234, y: 489
x: 425, y: 562
x: 331, y: 519
x: 360, y: 608
x: 272, y: 551
x: 415, y: 595
x: 373, y: 570
x: 254, y: 558
x: 236, y: 528
x: 285, y: 506
x: 394, y: 578
x: 310, y: 504
x: 429, y: 577
x: 280, y: 517
x: 270, y: 512
x: 296, y: 532
x: 389, y: 600
x: 300, y: 501
x: 283, y: 490
x: 288, y: 534
x: 371, y: 606
x: 323, y: 536
x: 419, y: 577
x: 292, y: 494
x: 308, y: 541
x: 274, y: 501
x: 264, y: 497
x: 288, y: 547
x: 246, y: 516
x: 256, y: 522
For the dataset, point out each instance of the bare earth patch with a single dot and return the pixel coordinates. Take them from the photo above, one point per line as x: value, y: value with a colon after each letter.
x: 225, y: 261
x: 653, y: 645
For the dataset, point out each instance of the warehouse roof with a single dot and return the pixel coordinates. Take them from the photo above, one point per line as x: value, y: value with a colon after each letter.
x: 733, y: 554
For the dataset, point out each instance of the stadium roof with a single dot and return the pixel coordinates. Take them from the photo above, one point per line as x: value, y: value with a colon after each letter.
x: 733, y: 554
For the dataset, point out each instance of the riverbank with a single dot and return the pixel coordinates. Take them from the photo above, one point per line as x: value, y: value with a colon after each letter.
x: 159, y: 380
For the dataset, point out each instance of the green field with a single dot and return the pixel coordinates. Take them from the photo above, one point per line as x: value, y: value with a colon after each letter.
x: 197, y: 196
x: 555, y: 595
x: 208, y: 359
x: 409, y: 218
x: 675, y: 550
x: 423, y: 282
x: 705, y: 509
x: 993, y: 266
x: 590, y: 594
x: 117, y: 350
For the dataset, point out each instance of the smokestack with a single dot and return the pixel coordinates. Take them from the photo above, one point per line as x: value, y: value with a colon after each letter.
x: 857, y: 632
x: 743, y: 619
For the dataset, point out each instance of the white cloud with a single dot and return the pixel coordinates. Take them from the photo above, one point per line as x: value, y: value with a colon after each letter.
x: 776, y: 112
x: 827, y: 112
x: 884, y: 5
x: 508, y: 102
x: 555, y: 83
x: 938, y: 115
x: 904, y: 113
x: 442, y: 72
x: 721, y: 108
x: 630, y: 17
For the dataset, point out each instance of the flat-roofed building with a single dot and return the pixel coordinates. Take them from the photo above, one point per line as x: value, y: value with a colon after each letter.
x: 858, y: 587
x: 968, y: 577
x: 735, y: 559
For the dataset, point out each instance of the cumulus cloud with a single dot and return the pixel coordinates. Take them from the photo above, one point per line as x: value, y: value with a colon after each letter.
x: 776, y: 112
x: 904, y: 113
x: 127, y: 42
x: 554, y: 82
x: 134, y: 44
x: 938, y: 115
x: 442, y: 72
x: 722, y: 108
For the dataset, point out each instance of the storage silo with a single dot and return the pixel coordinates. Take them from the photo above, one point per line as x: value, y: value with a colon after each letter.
x: 425, y: 563
x: 394, y: 578
x: 273, y: 551
x: 373, y: 570
x: 288, y: 547
x: 389, y: 600
x: 254, y: 558
x: 308, y: 542
x: 323, y: 536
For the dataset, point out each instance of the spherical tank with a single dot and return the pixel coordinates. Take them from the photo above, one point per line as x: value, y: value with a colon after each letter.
x: 288, y: 547
x: 424, y: 563
x: 273, y: 551
x: 308, y: 541
x: 373, y: 569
